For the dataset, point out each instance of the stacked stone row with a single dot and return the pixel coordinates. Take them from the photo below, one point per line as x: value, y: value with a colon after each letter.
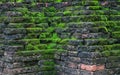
x: 92, y: 33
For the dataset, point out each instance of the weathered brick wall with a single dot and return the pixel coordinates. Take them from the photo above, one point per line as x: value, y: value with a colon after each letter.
x: 92, y: 33
x: 59, y: 38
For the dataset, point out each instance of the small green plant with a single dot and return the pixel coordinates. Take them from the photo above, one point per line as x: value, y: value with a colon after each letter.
x: 50, y: 9
x: 67, y: 13
x: 19, y: 0
x: 58, y: 1
x: 104, y: 18
x: 61, y: 25
x: 51, y: 46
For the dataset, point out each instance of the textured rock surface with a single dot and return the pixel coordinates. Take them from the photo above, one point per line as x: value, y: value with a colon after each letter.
x: 60, y: 37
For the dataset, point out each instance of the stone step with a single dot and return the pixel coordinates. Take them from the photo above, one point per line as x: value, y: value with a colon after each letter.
x: 89, y: 54
x: 42, y: 40
x: 87, y: 18
x: 34, y: 30
x: 38, y: 5
x: 38, y: 73
x: 13, y: 31
x: 41, y: 46
x: 27, y: 25
x: 1, y: 53
x: 30, y: 69
x: 63, y: 13
x: 1, y: 36
x: 112, y: 65
x: 14, y: 42
x: 113, y: 59
x: 72, y: 8
x: 111, y: 47
x: 85, y: 12
x: 89, y: 42
x: 111, y: 53
x: 31, y: 41
x: 116, y: 34
x: 54, y: 2
x: 32, y: 35
x: 95, y: 61
x: 8, y: 31
x: 20, y: 64
x: 11, y: 14
x: 11, y: 6
x: 90, y: 35
x: 10, y: 50
x: 14, y: 37
x: 100, y: 48
x: 114, y: 28
x: 27, y: 58
x: 89, y: 48
x: 23, y: 20
x: 16, y: 58
x: 36, y: 52
x: 85, y: 30
x: 1, y: 42
x: 93, y: 24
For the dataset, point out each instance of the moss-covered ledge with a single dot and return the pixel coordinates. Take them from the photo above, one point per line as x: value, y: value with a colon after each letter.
x: 59, y: 37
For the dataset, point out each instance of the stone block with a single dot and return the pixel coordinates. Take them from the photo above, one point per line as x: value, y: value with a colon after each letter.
x: 89, y: 48
x: 14, y: 37
x: 89, y: 54
x: 112, y: 65
x: 14, y: 31
x: 74, y: 59
x: 91, y: 61
x: 13, y: 48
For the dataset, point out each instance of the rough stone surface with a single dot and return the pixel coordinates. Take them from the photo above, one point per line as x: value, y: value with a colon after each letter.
x: 70, y: 37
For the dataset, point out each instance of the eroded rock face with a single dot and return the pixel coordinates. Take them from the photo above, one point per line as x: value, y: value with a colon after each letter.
x: 63, y: 38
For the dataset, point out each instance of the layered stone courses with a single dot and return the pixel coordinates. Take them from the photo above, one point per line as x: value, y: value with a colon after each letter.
x: 87, y: 32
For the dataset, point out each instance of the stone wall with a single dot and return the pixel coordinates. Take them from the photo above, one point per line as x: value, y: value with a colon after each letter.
x: 59, y: 37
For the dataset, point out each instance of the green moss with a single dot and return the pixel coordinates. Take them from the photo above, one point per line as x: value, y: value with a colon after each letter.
x: 106, y: 53
x: 111, y: 53
x: 31, y: 41
x: 49, y: 63
x: 67, y: 13
x: 100, y: 12
x: 64, y: 41
x: 44, y: 53
x: 48, y: 68
x: 34, y: 30
x: 61, y: 25
x: 58, y: 0
x: 50, y: 9
x: 30, y: 47
x: 116, y: 46
x: 104, y: 18
x: 116, y: 34
x: 20, y: 0
x: 111, y: 47
x: 51, y: 45
x: 107, y: 47
x: 94, y: 7
x: 44, y: 35
x: 28, y: 52
x: 31, y: 36
x: 93, y: 3
x: 47, y: 56
x: 115, y: 52
x: 50, y: 29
